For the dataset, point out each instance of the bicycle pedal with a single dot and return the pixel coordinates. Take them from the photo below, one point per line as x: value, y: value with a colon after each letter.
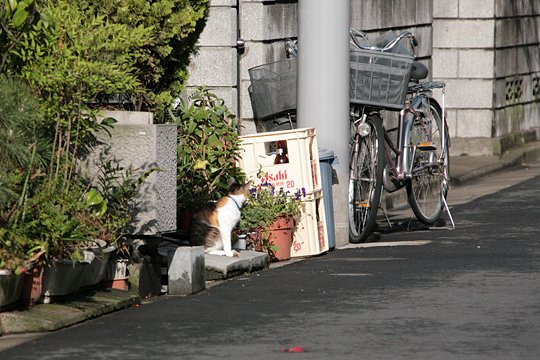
x: 426, y: 146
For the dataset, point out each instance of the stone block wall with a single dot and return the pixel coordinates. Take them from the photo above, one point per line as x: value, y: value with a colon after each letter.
x: 222, y: 65
x: 517, y: 71
x: 216, y: 62
x: 265, y: 26
x: 488, y: 53
x: 377, y: 16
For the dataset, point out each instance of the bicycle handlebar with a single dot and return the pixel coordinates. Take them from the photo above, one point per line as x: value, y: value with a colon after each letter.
x: 355, y: 34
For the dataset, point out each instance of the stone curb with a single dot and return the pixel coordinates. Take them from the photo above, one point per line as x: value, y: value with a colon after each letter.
x: 50, y: 317
x: 511, y: 158
x: 222, y: 267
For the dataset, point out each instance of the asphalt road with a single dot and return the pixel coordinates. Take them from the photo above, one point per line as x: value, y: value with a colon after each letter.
x: 468, y: 293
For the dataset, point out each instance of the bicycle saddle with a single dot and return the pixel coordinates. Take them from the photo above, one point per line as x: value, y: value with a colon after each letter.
x: 419, y: 71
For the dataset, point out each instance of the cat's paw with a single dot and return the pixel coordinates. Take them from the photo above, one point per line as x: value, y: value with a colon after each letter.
x: 233, y: 253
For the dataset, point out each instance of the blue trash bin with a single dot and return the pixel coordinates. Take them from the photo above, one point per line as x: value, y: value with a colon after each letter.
x: 326, y: 158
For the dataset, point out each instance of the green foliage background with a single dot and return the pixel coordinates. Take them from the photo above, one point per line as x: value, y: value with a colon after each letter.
x: 174, y: 27
x: 58, y: 60
x: 136, y: 48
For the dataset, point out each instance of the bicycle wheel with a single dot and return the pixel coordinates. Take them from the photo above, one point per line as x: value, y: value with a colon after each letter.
x: 365, y: 178
x: 430, y: 175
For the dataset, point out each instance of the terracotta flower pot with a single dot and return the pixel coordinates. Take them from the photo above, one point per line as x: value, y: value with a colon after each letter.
x: 32, y: 286
x: 281, y: 235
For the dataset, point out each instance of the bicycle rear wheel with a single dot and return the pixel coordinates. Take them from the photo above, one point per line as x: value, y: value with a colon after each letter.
x: 365, y: 178
x: 430, y: 176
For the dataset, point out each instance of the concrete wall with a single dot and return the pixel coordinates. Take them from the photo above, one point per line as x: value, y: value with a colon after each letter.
x: 215, y: 65
x: 488, y: 53
x: 486, y: 50
x: 517, y: 71
x: 264, y: 26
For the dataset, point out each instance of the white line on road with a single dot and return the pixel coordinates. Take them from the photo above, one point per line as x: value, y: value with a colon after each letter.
x: 386, y: 244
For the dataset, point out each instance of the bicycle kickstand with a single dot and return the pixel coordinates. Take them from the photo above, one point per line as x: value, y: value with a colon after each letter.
x: 449, y: 213
x: 384, y: 212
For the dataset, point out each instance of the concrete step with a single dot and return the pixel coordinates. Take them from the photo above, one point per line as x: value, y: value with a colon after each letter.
x: 223, y: 267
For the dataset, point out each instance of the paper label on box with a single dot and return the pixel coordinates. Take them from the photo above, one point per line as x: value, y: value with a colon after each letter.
x: 279, y: 177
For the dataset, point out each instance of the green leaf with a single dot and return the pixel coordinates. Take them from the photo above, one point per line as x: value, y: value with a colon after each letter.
x: 19, y: 17
x: 213, y: 140
x: 96, y: 203
x: 109, y: 121
x: 13, y: 5
x: 192, y: 127
x: 93, y: 197
x: 200, y: 165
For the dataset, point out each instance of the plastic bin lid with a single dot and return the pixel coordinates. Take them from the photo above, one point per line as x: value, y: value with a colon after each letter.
x: 326, y: 154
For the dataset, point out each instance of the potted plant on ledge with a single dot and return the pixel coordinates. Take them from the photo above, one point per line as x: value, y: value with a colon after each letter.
x: 269, y: 219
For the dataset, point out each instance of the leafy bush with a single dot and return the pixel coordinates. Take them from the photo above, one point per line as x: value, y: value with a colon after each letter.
x: 69, y: 59
x: 174, y: 27
x: 51, y: 223
x: 159, y: 62
x: 208, y: 149
x: 111, y: 199
x: 72, y: 54
x: 23, y: 149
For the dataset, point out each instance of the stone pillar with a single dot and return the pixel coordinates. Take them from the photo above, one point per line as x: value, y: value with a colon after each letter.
x: 186, y: 270
x: 136, y: 142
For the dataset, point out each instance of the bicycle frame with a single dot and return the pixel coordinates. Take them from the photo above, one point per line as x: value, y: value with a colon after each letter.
x: 399, y: 157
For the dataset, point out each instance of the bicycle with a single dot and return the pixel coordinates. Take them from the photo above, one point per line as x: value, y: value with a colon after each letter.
x: 386, y: 76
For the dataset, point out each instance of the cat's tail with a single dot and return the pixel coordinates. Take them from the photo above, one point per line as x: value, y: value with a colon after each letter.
x: 204, y: 234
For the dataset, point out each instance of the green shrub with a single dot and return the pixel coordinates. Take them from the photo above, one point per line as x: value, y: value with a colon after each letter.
x: 208, y: 149
x: 23, y: 148
x: 174, y: 27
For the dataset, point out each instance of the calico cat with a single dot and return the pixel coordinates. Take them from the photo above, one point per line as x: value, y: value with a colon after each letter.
x: 211, y: 226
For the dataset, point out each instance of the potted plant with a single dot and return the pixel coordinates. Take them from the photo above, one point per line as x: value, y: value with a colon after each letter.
x: 11, y: 277
x: 269, y: 218
x: 208, y: 150
x: 112, y: 203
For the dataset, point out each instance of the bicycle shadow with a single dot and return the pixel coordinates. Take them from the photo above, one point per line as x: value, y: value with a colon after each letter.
x: 404, y: 224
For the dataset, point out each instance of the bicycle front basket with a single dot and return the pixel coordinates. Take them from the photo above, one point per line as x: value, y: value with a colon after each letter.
x: 273, y: 88
x: 379, y: 79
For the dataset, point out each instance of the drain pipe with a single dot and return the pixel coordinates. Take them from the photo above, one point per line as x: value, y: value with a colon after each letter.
x: 323, y: 90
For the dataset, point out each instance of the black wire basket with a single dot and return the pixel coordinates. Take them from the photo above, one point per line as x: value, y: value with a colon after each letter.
x: 273, y: 89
